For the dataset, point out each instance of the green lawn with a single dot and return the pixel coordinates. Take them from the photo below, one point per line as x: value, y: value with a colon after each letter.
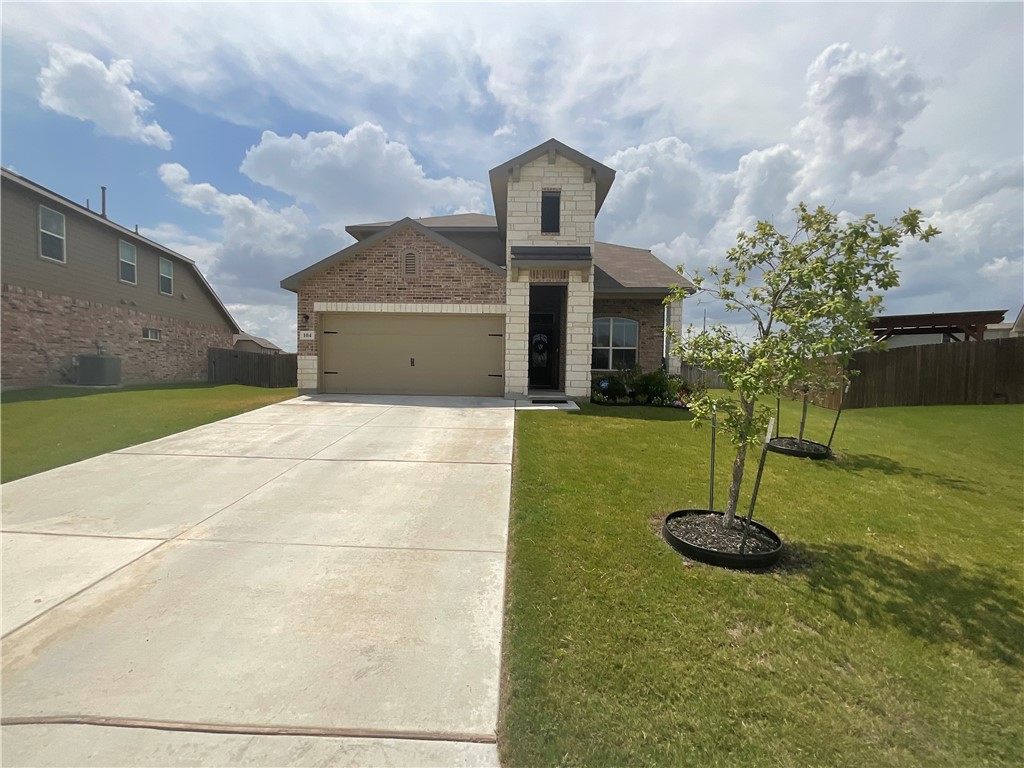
x: 891, y: 634
x: 45, y: 428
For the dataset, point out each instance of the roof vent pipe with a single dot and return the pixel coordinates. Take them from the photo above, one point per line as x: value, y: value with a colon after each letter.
x: 103, y: 202
x: 87, y: 204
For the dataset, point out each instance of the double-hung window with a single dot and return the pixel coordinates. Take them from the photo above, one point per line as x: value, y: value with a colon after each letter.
x: 166, y: 276
x: 51, y: 234
x: 615, y: 342
x: 126, y: 262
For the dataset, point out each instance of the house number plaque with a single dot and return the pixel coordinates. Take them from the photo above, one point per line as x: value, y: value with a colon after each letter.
x: 306, y: 336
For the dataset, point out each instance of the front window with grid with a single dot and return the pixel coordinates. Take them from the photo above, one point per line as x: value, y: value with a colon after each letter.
x: 615, y: 340
x: 126, y: 262
x: 51, y: 234
x: 166, y: 276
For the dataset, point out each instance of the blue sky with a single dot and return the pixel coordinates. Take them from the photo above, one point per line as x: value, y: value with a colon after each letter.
x: 246, y: 136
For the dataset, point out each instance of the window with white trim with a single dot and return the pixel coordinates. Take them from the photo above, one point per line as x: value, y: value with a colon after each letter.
x: 151, y: 334
x: 51, y: 234
x: 126, y: 262
x: 166, y: 276
x: 615, y: 343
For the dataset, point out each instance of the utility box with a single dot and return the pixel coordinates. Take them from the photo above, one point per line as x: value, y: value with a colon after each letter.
x: 98, y: 371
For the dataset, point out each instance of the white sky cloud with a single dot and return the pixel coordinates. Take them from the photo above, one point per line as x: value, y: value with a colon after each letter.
x: 361, y: 175
x: 714, y: 115
x: 79, y: 85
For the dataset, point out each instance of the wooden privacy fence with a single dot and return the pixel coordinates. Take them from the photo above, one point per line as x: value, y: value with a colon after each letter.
x: 695, y: 375
x: 961, y: 373
x: 226, y: 366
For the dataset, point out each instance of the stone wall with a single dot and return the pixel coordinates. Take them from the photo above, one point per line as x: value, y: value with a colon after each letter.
x: 576, y: 228
x: 650, y: 314
x: 578, y: 202
x: 42, y: 332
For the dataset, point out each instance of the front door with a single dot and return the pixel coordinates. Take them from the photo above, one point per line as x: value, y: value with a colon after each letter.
x: 544, y: 350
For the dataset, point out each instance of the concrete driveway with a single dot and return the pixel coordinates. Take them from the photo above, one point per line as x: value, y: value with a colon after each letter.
x: 331, y: 569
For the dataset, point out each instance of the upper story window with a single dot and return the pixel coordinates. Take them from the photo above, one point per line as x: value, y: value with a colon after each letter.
x: 550, y: 205
x: 126, y: 262
x: 615, y: 340
x: 166, y: 276
x: 51, y: 234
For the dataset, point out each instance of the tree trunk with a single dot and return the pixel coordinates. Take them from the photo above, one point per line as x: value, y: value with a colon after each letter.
x: 803, y: 419
x: 737, y: 472
x: 734, y: 487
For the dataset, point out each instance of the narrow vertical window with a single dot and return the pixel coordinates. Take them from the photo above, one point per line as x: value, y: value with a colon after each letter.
x: 550, y: 203
x: 51, y: 234
x: 166, y: 276
x: 126, y: 262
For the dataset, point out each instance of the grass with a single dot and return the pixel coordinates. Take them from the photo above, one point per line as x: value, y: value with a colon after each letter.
x: 53, y: 426
x: 891, y: 633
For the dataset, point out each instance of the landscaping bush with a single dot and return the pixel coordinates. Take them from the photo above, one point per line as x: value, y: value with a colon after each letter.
x: 633, y: 386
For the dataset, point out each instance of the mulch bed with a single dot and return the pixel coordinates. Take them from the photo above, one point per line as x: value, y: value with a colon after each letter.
x: 706, y: 531
x: 796, y: 444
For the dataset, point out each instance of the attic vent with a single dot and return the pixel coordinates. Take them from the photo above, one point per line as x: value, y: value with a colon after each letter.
x: 549, y: 276
x: 409, y: 265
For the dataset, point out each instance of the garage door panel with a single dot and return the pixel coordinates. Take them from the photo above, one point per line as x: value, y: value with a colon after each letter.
x: 412, y: 354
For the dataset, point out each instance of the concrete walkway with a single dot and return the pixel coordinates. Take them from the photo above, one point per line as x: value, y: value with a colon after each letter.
x: 332, y: 569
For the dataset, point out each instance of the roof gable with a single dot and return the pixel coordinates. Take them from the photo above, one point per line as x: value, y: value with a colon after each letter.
x: 292, y: 282
x: 602, y: 175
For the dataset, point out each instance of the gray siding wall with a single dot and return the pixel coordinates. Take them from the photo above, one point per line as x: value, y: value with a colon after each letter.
x: 91, y: 268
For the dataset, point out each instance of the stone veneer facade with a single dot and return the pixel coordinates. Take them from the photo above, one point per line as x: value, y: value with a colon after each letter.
x: 42, y: 332
x: 374, y: 280
x: 576, y: 228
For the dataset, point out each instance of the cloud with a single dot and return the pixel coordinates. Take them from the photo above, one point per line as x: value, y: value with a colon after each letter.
x: 857, y: 107
x: 1003, y: 268
x: 77, y: 84
x: 202, y: 251
x: 259, y: 244
x: 505, y: 130
x: 360, y: 175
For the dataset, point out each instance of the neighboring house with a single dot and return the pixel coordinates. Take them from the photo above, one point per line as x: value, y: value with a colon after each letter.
x: 522, y: 303
x: 935, y: 327
x: 75, y: 286
x: 245, y: 342
x: 1007, y: 330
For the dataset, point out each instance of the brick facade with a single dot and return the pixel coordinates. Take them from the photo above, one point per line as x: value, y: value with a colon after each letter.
x: 376, y: 274
x: 650, y: 314
x: 41, y: 333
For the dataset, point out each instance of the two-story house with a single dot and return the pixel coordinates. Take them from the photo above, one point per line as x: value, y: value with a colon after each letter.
x: 76, y: 284
x: 522, y: 303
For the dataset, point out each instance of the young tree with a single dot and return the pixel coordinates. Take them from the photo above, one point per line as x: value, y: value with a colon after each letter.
x: 808, y: 297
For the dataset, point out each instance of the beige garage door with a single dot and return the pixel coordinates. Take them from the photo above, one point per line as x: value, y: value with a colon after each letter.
x: 412, y: 354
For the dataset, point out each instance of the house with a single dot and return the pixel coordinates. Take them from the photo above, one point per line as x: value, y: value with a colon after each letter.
x: 1007, y: 330
x: 246, y: 342
x: 78, y: 289
x: 522, y: 303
